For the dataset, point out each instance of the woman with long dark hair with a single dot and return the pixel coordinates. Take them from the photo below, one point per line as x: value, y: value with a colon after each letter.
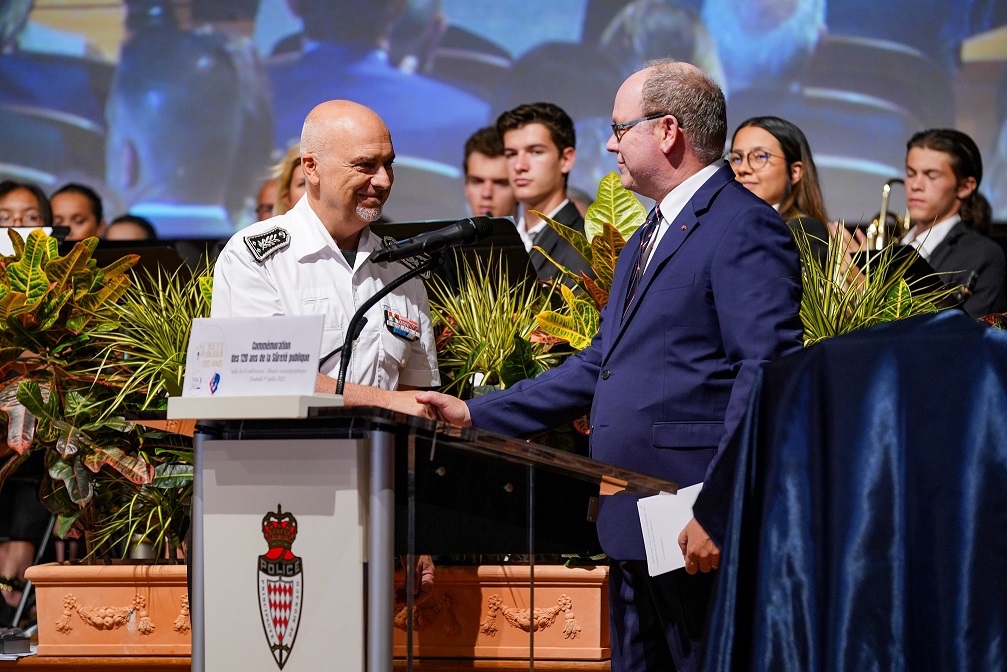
x: 771, y: 157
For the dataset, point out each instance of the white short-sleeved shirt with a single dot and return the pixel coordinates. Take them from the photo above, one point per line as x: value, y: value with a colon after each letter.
x: 310, y: 276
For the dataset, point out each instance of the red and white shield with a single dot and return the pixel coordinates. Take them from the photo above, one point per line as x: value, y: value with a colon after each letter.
x: 281, y: 584
x: 280, y: 608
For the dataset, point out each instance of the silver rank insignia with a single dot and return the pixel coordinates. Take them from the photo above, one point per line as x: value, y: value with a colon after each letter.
x: 265, y: 244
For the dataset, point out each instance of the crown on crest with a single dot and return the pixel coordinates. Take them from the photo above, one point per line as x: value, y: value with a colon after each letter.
x: 279, y: 528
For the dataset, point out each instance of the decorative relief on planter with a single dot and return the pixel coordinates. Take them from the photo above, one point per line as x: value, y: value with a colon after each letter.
x: 426, y: 615
x: 524, y: 620
x: 182, y: 624
x: 106, y: 618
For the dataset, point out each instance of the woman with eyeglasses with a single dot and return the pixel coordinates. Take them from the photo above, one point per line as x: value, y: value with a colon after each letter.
x: 23, y: 205
x: 771, y: 157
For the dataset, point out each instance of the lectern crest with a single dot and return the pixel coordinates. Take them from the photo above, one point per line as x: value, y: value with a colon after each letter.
x: 281, y: 584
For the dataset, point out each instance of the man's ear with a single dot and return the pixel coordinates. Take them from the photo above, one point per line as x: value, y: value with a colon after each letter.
x: 966, y: 187
x: 566, y: 159
x: 309, y: 164
x: 671, y: 132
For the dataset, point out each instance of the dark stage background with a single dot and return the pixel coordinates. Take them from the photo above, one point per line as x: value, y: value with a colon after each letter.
x: 181, y: 107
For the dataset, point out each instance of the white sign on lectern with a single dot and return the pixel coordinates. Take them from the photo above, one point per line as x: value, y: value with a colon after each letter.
x: 251, y: 367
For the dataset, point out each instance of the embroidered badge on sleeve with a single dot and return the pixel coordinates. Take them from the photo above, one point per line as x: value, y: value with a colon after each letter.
x: 265, y: 244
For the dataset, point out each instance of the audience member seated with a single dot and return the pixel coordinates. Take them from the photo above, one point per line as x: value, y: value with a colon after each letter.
x: 78, y: 207
x: 265, y: 200
x: 763, y: 42
x: 943, y: 172
x: 772, y: 159
x: 487, y: 187
x: 540, y: 146
x: 23, y: 205
x: 342, y: 58
x: 23, y: 522
x: 645, y: 30
x: 290, y: 184
x: 130, y: 227
x: 171, y: 156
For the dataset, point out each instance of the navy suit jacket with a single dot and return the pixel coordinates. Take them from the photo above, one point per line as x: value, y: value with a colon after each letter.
x: 667, y: 385
x: 559, y: 249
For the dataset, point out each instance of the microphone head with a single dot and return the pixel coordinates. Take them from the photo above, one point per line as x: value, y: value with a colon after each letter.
x: 482, y: 227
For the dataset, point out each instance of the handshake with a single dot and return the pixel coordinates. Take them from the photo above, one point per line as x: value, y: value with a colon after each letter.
x: 431, y: 405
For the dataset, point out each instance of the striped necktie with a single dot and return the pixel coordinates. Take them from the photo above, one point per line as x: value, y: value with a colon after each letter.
x: 647, y: 231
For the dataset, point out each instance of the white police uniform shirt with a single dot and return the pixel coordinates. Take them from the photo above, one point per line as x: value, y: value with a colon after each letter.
x: 303, y: 272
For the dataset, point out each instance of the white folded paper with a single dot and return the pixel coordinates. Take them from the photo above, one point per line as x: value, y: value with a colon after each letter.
x: 662, y: 518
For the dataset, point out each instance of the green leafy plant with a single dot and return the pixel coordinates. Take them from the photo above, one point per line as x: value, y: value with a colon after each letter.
x: 144, y: 360
x: 487, y: 328
x: 839, y: 297
x: 51, y: 308
x: 608, y: 223
x: 81, y: 349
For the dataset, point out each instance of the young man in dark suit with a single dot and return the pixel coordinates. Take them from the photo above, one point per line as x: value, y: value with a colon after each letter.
x: 704, y: 293
x: 540, y: 146
x: 943, y: 172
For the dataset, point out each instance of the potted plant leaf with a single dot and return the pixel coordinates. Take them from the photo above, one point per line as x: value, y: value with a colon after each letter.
x: 68, y: 384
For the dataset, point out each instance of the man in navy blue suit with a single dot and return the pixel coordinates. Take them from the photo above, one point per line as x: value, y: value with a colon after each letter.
x: 704, y: 293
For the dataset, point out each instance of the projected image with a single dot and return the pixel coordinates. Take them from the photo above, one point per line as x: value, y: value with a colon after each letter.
x: 181, y: 112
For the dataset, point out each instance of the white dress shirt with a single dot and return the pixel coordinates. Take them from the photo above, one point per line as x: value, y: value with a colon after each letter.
x: 311, y: 276
x: 674, y: 202
x: 528, y: 236
x: 927, y: 240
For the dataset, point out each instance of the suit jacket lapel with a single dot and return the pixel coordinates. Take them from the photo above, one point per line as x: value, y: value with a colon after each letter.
x: 944, y: 247
x: 549, y: 240
x: 681, y: 228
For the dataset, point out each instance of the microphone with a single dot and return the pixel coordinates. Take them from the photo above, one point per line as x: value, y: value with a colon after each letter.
x: 465, y: 232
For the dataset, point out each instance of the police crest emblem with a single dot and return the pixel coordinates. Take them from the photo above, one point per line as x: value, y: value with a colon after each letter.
x: 281, y: 584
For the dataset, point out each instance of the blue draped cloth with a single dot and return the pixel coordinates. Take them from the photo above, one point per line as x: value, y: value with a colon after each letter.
x: 868, y: 528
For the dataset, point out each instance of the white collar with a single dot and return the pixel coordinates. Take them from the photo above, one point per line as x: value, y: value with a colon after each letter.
x: 675, y: 201
x: 309, y: 236
x: 927, y: 240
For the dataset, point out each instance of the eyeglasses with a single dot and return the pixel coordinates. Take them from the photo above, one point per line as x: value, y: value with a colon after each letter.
x: 757, y: 158
x: 619, y: 130
x: 30, y: 218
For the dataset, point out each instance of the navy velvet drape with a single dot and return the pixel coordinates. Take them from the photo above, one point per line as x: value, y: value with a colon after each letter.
x: 869, y: 522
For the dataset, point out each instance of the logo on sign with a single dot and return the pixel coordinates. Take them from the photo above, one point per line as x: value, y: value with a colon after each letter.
x: 281, y: 584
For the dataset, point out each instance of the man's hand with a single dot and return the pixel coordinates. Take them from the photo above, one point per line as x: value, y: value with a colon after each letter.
x: 404, y: 401
x: 446, y: 408
x: 701, y: 554
x: 401, y: 401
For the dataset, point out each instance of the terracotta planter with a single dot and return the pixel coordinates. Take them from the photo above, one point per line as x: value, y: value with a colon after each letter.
x: 482, y: 612
x: 112, y: 610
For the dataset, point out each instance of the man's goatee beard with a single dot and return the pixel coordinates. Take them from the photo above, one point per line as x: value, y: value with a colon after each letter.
x: 369, y: 214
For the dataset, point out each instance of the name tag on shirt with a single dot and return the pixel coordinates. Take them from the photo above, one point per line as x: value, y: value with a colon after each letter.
x: 402, y: 326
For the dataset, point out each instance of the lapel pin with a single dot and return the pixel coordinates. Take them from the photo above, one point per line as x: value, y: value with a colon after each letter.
x: 683, y: 227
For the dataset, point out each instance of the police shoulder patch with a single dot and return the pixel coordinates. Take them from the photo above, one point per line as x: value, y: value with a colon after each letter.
x: 265, y: 244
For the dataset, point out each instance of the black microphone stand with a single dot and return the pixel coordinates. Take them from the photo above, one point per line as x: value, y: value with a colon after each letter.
x: 344, y: 357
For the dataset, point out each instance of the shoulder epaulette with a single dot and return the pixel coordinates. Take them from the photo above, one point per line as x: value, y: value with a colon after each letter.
x: 264, y: 245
